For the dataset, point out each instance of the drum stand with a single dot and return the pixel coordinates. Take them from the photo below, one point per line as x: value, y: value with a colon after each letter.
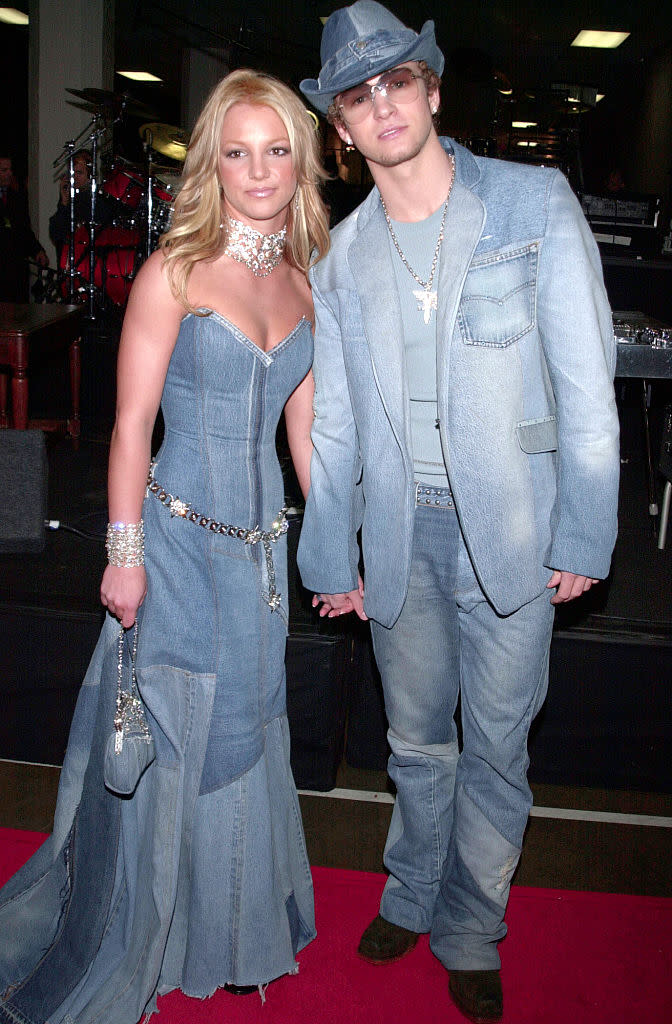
x: 152, y: 226
x: 94, y: 131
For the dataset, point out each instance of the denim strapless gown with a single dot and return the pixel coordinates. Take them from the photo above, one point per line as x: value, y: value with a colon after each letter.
x: 201, y: 877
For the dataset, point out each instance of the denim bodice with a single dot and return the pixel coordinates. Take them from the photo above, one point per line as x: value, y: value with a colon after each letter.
x: 221, y: 403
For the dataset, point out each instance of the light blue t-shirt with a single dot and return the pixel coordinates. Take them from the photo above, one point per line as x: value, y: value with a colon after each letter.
x: 418, y: 242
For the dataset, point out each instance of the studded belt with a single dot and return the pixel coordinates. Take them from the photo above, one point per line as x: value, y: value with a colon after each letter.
x: 266, y: 538
x: 439, y: 497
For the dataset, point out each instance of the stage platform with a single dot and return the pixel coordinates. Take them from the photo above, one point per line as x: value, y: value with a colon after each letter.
x: 607, y: 720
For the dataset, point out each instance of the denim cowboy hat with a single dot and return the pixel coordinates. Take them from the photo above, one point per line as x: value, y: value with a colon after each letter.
x: 364, y: 40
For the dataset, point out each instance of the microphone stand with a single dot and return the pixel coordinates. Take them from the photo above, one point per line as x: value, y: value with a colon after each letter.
x: 93, y: 193
x: 71, y: 240
x: 150, y: 193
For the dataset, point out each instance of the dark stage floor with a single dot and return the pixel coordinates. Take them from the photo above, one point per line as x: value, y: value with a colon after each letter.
x: 608, y: 717
x: 600, y: 759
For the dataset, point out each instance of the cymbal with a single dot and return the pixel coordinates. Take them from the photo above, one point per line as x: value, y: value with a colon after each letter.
x: 104, y: 98
x: 167, y: 139
x: 89, y: 107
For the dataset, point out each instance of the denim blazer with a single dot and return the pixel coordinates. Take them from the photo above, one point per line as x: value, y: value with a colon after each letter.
x: 525, y: 365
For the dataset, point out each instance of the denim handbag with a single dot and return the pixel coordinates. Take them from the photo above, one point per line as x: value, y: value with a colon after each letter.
x: 130, y: 749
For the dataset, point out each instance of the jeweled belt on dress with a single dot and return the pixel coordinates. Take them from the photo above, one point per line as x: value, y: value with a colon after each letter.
x: 184, y: 510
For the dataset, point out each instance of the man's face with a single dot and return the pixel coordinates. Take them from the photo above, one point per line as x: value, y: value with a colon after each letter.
x: 391, y: 133
x: 81, y: 172
x: 5, y: 172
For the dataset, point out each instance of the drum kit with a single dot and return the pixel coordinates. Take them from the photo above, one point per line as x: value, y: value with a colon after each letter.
x: 130, y: 204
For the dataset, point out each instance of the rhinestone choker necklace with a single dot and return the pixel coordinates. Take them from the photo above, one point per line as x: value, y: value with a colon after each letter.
x: 261, y: 253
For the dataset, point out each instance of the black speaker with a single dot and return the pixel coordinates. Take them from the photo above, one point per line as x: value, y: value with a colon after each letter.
x: 44, y: 655
x: 23, y: 483
x: 366, y: 741
x: 316, y: 673
x: 665, y: 465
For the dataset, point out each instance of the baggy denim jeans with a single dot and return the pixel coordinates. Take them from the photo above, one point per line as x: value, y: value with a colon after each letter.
x: 459, y: 818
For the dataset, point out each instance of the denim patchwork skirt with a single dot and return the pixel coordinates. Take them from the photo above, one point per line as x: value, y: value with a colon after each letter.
x: 200, y: 878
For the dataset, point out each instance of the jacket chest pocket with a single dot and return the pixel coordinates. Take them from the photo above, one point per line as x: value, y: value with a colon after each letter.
x: 498, y: 304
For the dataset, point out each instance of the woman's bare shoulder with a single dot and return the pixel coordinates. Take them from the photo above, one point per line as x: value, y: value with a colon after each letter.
x: 152, y: 308
x: 151, y: 287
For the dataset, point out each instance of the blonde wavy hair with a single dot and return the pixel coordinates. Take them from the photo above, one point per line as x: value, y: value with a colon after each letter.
x: 195, y: 232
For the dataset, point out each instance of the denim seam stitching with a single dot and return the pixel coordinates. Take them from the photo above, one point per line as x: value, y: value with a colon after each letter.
x: 502, y: 257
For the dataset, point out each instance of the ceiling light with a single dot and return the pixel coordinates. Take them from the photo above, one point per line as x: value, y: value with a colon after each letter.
x: 600, y: 40
x: 140, y: 76
x: 599, y: 96
x: 523, y: 124
x: 11, y: 16
x: 526, y: 144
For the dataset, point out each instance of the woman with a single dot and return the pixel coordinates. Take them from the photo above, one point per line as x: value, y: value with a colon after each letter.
x: 200, y: 878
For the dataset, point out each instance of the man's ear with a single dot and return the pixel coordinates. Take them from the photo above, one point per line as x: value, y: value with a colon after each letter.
x: 343, y: 132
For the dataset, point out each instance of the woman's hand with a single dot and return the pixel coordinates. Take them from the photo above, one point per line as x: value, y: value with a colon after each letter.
x: 122, y: 591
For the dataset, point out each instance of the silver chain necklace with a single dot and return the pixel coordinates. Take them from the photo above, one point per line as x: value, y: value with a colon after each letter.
x: 260, y: 253
x: 427, y: 298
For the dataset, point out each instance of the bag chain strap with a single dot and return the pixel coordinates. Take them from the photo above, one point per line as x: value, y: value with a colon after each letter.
x: 130, y: 709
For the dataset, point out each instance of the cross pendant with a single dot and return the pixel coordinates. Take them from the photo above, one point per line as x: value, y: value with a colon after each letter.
x: 426, y: 302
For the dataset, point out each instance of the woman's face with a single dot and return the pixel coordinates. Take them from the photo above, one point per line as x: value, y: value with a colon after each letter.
x: 256, y: 169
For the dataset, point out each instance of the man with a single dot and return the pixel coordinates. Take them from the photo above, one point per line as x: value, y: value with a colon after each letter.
x: 18, y: 243
x: 465, y: 420
x: 59, y: 222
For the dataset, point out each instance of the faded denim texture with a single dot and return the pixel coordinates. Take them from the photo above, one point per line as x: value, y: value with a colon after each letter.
x: 457, y: 598
x: 201, y: 878
x: 458, y: 821
x: 524, y: 340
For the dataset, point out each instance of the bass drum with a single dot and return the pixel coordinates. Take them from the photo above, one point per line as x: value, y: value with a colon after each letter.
x: 118, y: 267
x: 124, y: 184
x: 118, y: 237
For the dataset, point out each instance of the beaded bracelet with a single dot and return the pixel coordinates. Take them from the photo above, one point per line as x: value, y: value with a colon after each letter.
x: 125, y: 544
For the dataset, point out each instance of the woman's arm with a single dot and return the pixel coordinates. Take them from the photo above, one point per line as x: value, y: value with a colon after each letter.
x: 151, y: 325
x: 299, y: 419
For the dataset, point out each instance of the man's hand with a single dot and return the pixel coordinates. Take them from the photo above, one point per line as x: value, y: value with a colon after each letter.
x: 341, y: 604
x: 569, y: 586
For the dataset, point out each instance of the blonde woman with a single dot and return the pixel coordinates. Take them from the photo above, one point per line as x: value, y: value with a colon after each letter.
x: 198, y: 879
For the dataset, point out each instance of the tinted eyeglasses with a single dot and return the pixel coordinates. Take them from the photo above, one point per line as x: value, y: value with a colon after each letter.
x: 399, y: 86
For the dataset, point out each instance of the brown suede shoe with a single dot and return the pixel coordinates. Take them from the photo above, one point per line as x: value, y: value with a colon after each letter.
x: 478, y: 994
x: 384, y: 942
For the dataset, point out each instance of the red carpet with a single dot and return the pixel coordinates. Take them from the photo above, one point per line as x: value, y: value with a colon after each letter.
x: 570, y: 958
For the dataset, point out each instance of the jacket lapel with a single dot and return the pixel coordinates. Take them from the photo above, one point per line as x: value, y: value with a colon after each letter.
x: 381, y: 315
x: 464, y: 225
